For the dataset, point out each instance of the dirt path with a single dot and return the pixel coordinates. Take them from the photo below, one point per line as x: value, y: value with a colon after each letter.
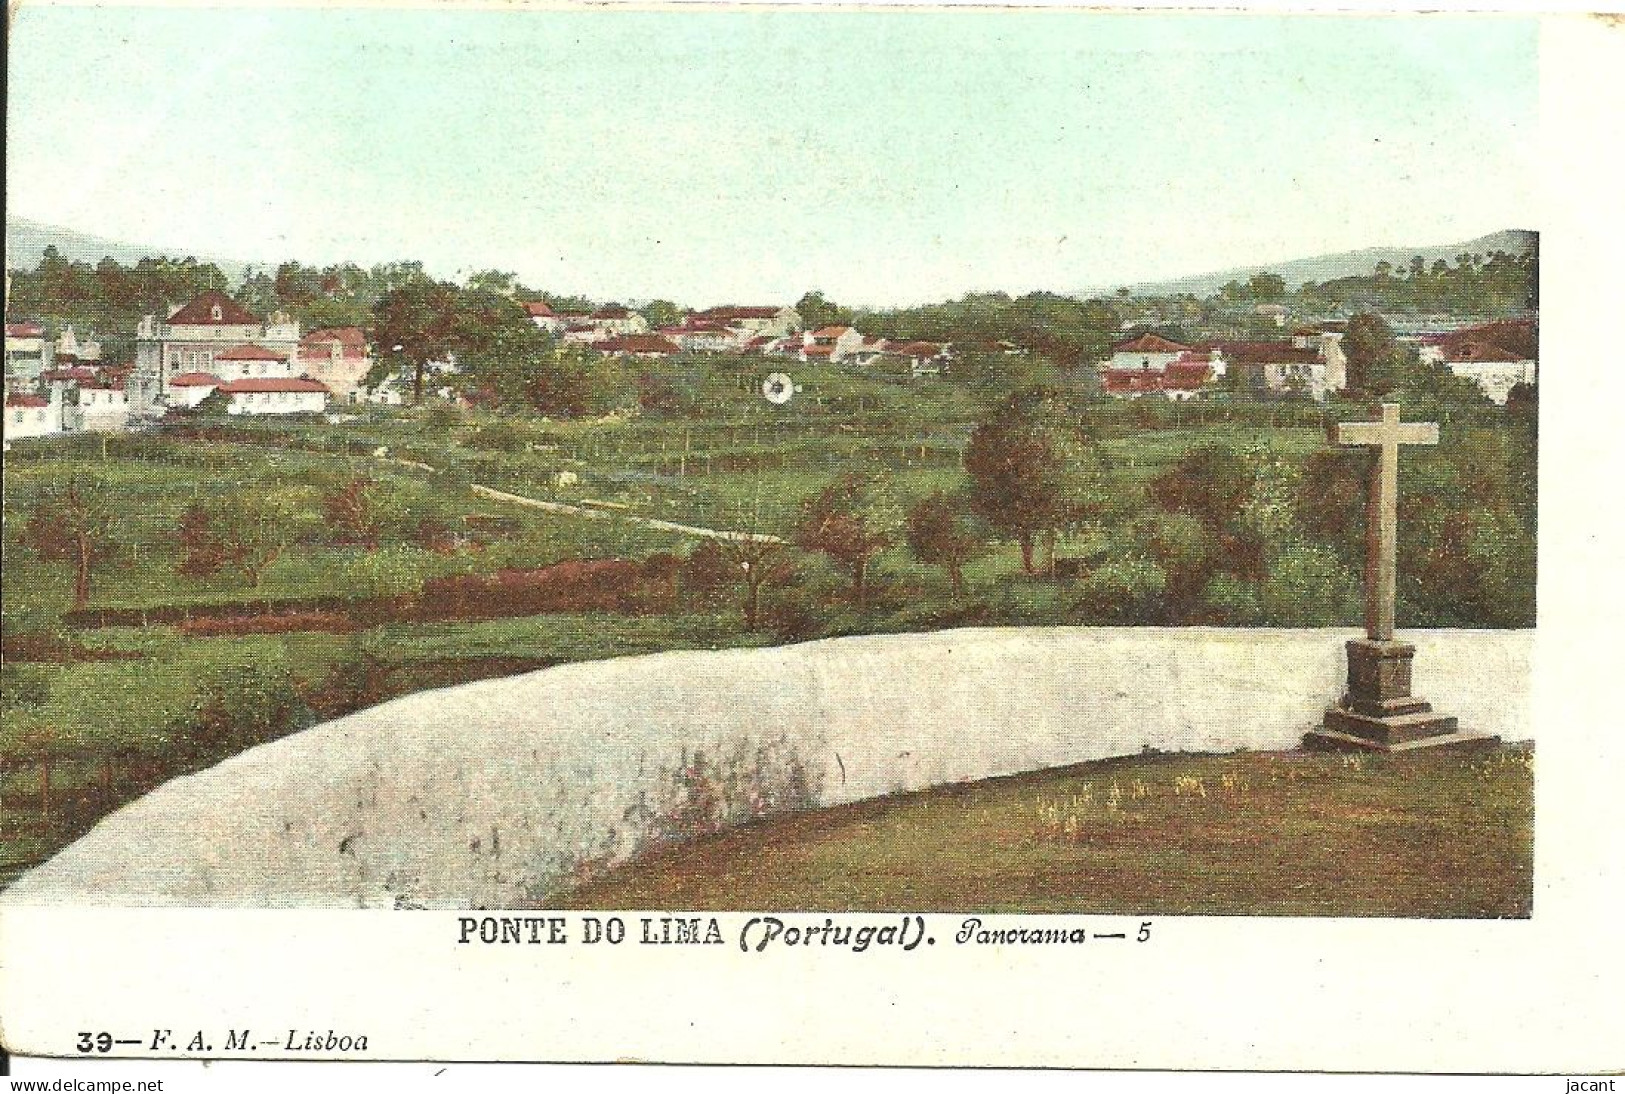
x: 603, y: 514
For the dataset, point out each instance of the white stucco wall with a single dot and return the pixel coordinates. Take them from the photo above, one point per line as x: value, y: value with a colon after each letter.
x: 493, y: 793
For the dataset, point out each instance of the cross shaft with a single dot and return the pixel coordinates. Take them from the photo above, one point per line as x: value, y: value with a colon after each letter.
x: 1382, y: 514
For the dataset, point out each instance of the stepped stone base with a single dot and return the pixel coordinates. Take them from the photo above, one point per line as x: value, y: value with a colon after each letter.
x: 1378, y: 713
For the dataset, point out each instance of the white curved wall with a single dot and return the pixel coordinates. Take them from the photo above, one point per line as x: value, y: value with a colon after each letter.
x: 498, y: 792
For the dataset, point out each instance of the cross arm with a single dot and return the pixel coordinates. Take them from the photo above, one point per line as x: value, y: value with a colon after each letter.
x: 1378, y: 433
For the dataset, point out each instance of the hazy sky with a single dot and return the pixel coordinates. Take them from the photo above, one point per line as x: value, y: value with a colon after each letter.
x: 716, y: 156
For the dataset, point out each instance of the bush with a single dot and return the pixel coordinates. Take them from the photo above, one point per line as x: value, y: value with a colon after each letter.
x: 1125, y: 590
x: 1232, y: 601
x: 244, y: 704
x: 1308, y: 586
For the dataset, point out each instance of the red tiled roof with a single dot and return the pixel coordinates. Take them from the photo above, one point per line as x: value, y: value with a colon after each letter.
x: 1148, y: 343
x: 353, y: 339
x: 819, y: 351
x: 1455, y: 350
x: 24, y: 330
x: 1186, y: 376
x: 538, y: 309
x: 249, y: 353
x: 195, y: 379
x: 734, y: 311
x: 639, y: 343
x: 612, y: 311
x: 1266, y: 353
x: 1516, y: 338
x: 27, y: 400
x: 272, y: 383
x: 78, y: 374
x: 920, y: 349
x: 830, y: 332
x: 199, y: 311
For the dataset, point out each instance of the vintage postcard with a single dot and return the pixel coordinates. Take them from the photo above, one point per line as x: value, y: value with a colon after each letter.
x: 787, y: 532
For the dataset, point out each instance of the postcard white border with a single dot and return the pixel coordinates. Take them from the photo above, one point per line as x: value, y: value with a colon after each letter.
x: 1209, y: 993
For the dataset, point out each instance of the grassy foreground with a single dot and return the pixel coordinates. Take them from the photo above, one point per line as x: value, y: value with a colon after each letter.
x: 1425, y: 834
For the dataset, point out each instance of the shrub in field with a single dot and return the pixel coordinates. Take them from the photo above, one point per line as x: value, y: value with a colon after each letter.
x: 391, y: 576
x: 706, y: 574
x: 941, y: 533
x: 852, y: 520
x: 72, y: 523
x: 348, y: 513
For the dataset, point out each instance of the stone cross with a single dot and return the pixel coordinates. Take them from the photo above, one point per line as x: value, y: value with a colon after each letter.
x: 1382, y: 516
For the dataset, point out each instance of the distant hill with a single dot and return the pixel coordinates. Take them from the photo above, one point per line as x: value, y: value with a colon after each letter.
x: 26, y: 241
x: 1346, y: 264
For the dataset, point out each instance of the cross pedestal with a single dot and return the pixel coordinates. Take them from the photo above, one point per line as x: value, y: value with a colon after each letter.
x: 1378, y: 713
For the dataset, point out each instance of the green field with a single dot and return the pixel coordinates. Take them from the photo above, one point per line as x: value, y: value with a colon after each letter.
x: 725, y: 459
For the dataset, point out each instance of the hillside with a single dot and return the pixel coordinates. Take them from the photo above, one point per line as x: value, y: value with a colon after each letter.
x: 26, y: 241
x: 1344, y: 264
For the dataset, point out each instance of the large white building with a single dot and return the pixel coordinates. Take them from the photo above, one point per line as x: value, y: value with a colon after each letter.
x: 209, y: 334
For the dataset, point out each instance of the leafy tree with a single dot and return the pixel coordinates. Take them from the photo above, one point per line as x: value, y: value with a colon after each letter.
x: 412, y: 326
x: 246, y: 531
x: 815, y: 312
x: 940, y: 533
x: 71, y: 523
x: 1033, y: 472
x: 1266, y: 288
x: 755, y: 561
x: 348, y: 513
x: 661, y: 313
x: 852, y: 520
x: 1376, y: 361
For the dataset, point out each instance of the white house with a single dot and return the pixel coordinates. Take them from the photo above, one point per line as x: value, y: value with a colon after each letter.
x: 615, y: 320
x: 1148, y: 351
x: 834, y: 343
x: 545, y: 317
x: 1287, y: 367
x: 753, y: 321
x: 100, y: 406
x: 1495, y: 369
x: 275, y: 395
x: 188, y: 389
x: 1495, y: 356
x: 32, y: 416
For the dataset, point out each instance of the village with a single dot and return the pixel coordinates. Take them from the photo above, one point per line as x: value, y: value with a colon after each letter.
x: 57, y: 382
